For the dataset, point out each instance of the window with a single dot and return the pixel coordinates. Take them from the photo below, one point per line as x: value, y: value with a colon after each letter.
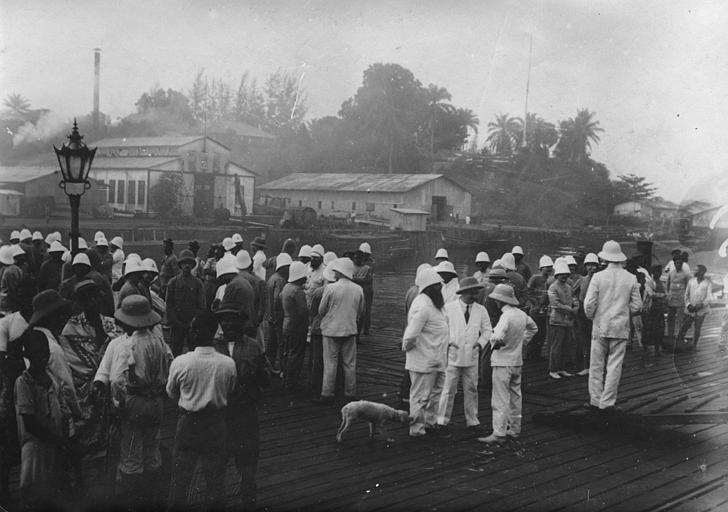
x: 370, y: 207
x: 131, y: 191
x: 112, y: 191
x: 142, y: 192
x: 319, y: 205
x: 353, y: 205
x: 120, y: 192
x: 300, y: 203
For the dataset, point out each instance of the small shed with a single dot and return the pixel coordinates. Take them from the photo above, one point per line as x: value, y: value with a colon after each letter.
x: 409, y: 219
x: 10, y: 202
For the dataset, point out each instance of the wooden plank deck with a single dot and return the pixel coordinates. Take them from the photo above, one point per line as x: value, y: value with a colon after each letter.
x: 673, y: 467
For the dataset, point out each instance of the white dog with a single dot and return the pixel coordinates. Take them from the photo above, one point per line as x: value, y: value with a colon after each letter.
x: 375, y: 413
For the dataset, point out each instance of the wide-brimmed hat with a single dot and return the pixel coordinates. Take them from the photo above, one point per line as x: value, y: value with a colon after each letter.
x: 591, y: 258
x: 427, y: 277
x: 6, y: 255
x: 283, y: 259
x: 226, y: 265
x: 445, y: 267
x: 56, y: 246
x: 468, y: 283
x: 298, y: 271
x: 441, y: 253
x: 343, y: 266
x: 517, y: 249
x: 482, y: 257
x: 561, y: 267
x: 365, y: 248
x: 317, y: 250
x: 259, y: 242
x: 237, y: 238
x: 497, y: 273
x: 243, y: 260
x: 46, y: 303
x: 117, y: 241
x: 81, y: 259
x: 149, y: 265
x: 508, y: 261
x: 545, y: 261
x: 136, y: 311
x: 504, y: 293
x: 611, y: 251
x: 186, y: 255
x: 304, y: 251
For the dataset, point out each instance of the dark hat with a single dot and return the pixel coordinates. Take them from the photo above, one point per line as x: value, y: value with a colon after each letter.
x: 168, y: 241
x: 45, y: 303
x: 194, y: 244
x: 230, y: 306
x: 136, y: 311
x: 259, y: 242
x: 186, y: 255
x: 85, y: 284
x: 469, y: 283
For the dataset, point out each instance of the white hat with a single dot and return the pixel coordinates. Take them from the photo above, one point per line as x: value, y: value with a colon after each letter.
x: 133, y: 265
x: 149, y: 265
x: 237, y: 238
x: 329, y: 257
x: 228, y: 243
x: 298, y: 271
x: 226, y: 265
x: 328, y: 274
x: 545, y: 261
x: 591, y: 258
x: 365, y: 248
x: 242, y: 260
x: 132, y: 256
x: 560, y: 267
x: 611, y: 251
x: 482, y: 257
x: 304, y: 251
x: 445, y: 267
x: 504, y: 293
x: 426, y: 278
x: 66, y: 258
x: 508, y: 261
x: 420, y: 268
x: 37, y: 235
x: 102, y: 242
x: 50, y: 238
x: 99, y: 234
x: 56, y: 246
x: 81, y: 259
x: 6, y: 257
x: 82, y: 243
x: 441, y: 253
x: 283, y: 259
x: 517, y: 250
x: 16, y: 250
x: 118, y: 241
x: 15, y: 234
x: 318, y: 249
x: 497, y: 264
x: 343, y: 266
x: 570, y: 260
x: 25, y: 233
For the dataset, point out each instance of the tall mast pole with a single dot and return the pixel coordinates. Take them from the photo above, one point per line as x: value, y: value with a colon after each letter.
x: 528, y: 87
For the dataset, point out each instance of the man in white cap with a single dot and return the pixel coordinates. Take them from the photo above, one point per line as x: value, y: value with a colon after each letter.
x: 613, y: 295
x: 449, y: 278
x: 482, y: 261
x: 116, y: 246
x: 562, y: 312
x: 538, y: 305
x: 514, y: 329
x: 583, y: 329
x: 341, y: 308
x: 470, y: 331
x: 364, y: 277
x: 274, y: 310
x: 521, y: 266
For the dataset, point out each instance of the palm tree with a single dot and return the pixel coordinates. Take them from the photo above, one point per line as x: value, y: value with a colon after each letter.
x: 436, y: 97
x: 468, y: 119
x: 577, y: 135
x: 503, y: 134
x: 540, y: 134
x: 17, y: 104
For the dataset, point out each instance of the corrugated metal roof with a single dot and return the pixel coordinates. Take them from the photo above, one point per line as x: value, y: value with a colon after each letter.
x: 410, y: 211
x: 133, y: 142
x: 23, y: 173
x: 131, y: 162
x: 351, y: 182
x: 9, y: 192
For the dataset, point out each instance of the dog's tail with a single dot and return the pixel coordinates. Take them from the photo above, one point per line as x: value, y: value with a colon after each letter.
x: 342, y: 427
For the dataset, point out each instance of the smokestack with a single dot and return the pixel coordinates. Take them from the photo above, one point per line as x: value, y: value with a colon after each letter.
x: 97, y: 73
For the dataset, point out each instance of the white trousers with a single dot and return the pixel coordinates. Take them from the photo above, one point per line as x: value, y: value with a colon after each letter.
x: 506, y: 400
x: 469, y: 375
x: 605, y: 370
x: 424, y: 399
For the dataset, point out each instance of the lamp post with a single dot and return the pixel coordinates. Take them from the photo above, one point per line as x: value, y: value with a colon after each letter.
x: 75, y: 159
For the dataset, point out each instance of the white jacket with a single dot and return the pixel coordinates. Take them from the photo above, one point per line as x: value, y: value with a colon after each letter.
x: 612, y: 295
x: 449, y: 290
x: 428, y: 326
x: 464, y: 337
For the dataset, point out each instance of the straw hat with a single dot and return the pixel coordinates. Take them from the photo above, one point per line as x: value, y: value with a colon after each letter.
x: 441, y: 253
x: 517, y: 250
x: 504, y: 293
x: 6, y: 256
x: 304, y: 251
x: 560, y: 267
x: 81, y: 259
x: 545, y: 261
x: 318, y: 250
x: 186, y: 255
x: 46, y: 303
x: 344, y: 266
x: 482, y: 257
x: 426, y: 278
x: 508, y: 261
x: 226, y: 265
x: 136, y: 311
x: 228, y: 243
x: 149, y: 265
x: 118, y: 241
x: 445, y: 267
x: 365, y: 248
x: 242, y: 260
x: 468, y: 283
x: 298, y: 271
x: 56, y: 246
x: 612, y: 252
x: 591, y: 258
x: 283, y: 260
x: 237, y: 238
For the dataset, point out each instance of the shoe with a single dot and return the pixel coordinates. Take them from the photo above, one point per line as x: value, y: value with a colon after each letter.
x: 583, y: 373
x: 564, y: 373
x: 492, y: 439
x: 442, y: 431
x: 555, y: 375
x: 323, y: 400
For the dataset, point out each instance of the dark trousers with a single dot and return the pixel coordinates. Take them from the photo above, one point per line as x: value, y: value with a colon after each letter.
x: 244, y: 444
x: 583, y: 333
x: 560, y: 347
x: 366, y: 321
x: 404, y: 387
x: 178, y: 335
x: 200, y: 436
x: 294, y: 352
x: 654, y: 327
x: 274, y: 335
x: 533, y: 349
x: 688, y: 320
x: 316, y: 365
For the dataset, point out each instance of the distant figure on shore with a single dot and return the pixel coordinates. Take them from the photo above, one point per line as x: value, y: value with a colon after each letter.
x: 698, y: 294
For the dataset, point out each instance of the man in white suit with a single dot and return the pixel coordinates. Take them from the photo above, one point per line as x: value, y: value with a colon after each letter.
x: 470, y: 331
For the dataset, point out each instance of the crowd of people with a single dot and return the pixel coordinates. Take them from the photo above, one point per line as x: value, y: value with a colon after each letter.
x: 93, y: 344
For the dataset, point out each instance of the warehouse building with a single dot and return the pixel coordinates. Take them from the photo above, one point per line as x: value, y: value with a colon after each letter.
x: 369, y: 195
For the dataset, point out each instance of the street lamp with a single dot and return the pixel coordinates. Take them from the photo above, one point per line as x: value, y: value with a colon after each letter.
x: 75, y: 159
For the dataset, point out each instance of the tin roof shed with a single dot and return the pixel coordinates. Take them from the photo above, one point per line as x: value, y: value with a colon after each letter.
x: 353, y: 182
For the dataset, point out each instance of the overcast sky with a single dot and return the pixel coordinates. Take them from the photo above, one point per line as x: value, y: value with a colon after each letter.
x: 655, y: 72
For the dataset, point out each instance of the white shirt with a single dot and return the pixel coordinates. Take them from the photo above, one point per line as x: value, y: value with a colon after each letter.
x: 428, y: 326
x: 104, y: 371
x: 612, y: 295
x: 117, y: 265
x: 258, y: 262
x: 12, y: 326
x: 515, y: 328
x: 698, y: 294
x: 200, y: 379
